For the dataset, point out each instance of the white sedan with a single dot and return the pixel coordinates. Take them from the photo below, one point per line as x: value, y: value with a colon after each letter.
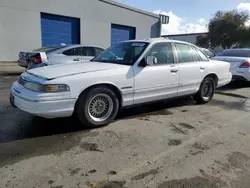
x: 53, y: 55
x: 239, y: 60
x: 129, y: 73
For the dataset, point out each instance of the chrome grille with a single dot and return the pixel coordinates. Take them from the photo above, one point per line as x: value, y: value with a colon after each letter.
x: 22, y: 81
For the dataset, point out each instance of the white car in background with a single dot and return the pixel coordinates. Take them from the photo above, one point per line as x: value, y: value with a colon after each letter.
x: 128, y: 73
x: 239, y: 60
x: 62, y: 54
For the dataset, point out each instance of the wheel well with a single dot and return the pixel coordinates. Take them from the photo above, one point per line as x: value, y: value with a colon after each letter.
x: 110, y: 86
x: 214, y: 77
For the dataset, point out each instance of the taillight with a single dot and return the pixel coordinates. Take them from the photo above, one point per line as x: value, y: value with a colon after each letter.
x: 37, y: 60
x: 245, y: 64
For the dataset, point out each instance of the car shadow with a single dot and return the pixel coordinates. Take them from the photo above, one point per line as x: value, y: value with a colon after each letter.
x: 21, y: 125
x: 235, y: 85
x: 229, y: 89
x: 16, y: 73
x: 158, y: 108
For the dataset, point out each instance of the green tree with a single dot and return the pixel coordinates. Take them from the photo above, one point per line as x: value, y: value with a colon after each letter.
x: 202, y: 41
x: 228, y: 29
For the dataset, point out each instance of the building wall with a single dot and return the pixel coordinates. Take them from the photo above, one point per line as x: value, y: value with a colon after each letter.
x: 20, y: 24
x: 191, y: 38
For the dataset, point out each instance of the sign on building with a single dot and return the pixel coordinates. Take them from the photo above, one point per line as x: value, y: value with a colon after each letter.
x: 164, y: 19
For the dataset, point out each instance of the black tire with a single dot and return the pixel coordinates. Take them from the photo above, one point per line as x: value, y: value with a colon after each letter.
x: 83, y: 105
x: 205, y: 95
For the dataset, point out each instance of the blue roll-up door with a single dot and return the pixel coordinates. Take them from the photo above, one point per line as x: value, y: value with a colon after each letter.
x: 120, y: 33
x: 59, y: 29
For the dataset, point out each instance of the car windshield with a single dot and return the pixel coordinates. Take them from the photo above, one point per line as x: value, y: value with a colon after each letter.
x: 235, y: 53
x: 48, y: 49
x: 125, y: 53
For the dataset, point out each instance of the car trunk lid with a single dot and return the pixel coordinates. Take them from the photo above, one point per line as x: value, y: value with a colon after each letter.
x: 235, y: 62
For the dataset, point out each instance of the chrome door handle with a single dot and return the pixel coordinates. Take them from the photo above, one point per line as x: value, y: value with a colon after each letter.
x: 202, y: 68
x: 76, y: 59
x: 174, y: 70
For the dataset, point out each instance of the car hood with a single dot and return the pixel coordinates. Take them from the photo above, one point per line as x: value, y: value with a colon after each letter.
x: 56, y: 71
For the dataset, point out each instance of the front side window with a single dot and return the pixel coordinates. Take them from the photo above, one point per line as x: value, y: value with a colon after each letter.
x: 125, y: 53
x: 163, y: 53
x: 184, y: 53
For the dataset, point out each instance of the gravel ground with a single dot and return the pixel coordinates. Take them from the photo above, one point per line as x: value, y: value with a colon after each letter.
x: 175, y: 144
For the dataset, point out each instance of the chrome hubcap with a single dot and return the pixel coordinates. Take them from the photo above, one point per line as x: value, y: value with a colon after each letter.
x: 100, y: 107
x: 207, y: 90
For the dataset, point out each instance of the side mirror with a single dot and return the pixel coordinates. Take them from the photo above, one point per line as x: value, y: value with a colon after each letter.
x: 151, y: 60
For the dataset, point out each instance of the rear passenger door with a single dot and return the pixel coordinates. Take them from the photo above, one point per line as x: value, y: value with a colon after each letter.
x: 190, y: 69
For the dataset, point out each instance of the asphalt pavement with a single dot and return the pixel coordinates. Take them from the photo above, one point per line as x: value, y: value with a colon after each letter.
x: 172, y: 144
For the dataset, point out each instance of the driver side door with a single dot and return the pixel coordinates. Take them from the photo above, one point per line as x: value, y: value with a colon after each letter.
x: 159, y: 81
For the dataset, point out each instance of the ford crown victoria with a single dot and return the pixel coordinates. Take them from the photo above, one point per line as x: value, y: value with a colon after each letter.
x: 128, y: 73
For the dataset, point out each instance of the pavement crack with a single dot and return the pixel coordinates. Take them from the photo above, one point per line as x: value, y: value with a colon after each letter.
x: 177, y: 129
x: 145, y: 174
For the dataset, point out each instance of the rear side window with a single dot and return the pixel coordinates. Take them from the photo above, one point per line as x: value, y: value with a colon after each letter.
x: 88, y: 51
x: 235, y: 53
x: 195, y: 54
x: 202, y: 55
x: 98, y: 51
x: 208, y: 53
x: 73, y: 52
x: 184, y: 53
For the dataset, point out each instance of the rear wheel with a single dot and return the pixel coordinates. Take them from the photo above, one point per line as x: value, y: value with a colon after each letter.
x: 97, y: 107
x: 206, y: 91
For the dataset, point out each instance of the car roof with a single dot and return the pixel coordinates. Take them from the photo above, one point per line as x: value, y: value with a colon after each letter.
x: 73, y: 45
x: 238, y: 49
x: 84, y: 45
x: 157, y: 40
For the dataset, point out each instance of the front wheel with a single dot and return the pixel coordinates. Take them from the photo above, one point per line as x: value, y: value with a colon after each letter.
x: 206, y: 91
x: 97, y: 107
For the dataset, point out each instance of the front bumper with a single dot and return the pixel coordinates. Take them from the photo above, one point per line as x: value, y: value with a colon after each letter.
x: 48, y: 108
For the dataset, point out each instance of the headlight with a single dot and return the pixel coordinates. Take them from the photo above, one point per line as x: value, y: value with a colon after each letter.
x: 46, y: 88
x: 33, y: 86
